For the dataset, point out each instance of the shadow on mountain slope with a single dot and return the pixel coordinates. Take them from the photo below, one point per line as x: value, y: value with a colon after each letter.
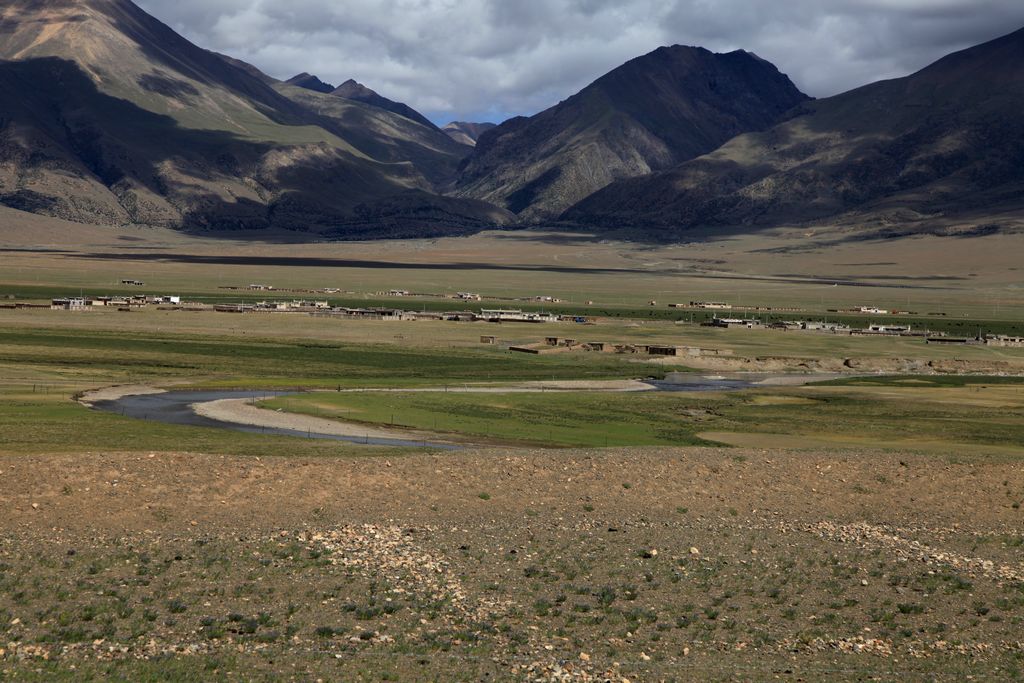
x: 71, y: 151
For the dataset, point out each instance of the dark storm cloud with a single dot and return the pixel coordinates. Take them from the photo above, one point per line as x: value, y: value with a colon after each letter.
x: 487, y: 59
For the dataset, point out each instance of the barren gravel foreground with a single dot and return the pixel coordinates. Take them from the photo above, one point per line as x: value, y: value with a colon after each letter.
x: 634, y: 564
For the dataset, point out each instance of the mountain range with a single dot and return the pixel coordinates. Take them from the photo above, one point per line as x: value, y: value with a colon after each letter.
x: 942, y: 146
x: 107, y: 116
x: 650, y: 114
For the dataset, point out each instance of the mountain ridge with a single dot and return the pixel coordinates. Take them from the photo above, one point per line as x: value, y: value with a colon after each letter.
x: 919, y: 150
x: 310, y: 82
x: 649, y: 114
x: 111, y: 117
x: 114, y: 118
x: 467, y: 132
x: 353, y: 90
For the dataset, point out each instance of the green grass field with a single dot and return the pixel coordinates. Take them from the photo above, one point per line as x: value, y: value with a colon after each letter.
x: 952, y: 415
x: 41, y: 370
x: 229, y: 361
x: 54, y: 423
x: 43, y: 367
x: 547, y: 419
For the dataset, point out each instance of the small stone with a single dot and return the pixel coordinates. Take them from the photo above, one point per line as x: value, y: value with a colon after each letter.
x: 584, y: 657
x: 863, y: 582
x: 694, y: 551
x: 644, y: 656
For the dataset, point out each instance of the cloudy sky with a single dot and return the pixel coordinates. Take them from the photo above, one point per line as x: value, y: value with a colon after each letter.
x: 485, y: 60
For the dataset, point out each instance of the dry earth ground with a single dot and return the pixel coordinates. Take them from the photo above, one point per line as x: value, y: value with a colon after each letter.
x: 639, y: 564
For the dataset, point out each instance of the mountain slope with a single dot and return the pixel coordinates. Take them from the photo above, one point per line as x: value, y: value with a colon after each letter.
x: 108, y: 116
x: 357, y: 92
x: 650, y: 114
x: 384, y: 135
x: 944, y: 146
x: 467, y: 133
x: 310, y: 82
x: 351, y: 90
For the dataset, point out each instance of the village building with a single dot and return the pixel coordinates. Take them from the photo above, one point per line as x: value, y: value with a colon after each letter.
x: 748, y: 323
x: 888, y: 329
x: 498, y: 315
x: 70, y: 304
x: 1004, y: 340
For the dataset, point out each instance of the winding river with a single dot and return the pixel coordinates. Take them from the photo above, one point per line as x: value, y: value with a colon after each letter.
x: 179, y: 407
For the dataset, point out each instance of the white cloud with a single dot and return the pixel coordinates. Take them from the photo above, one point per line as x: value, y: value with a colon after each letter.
x: 488, y: 59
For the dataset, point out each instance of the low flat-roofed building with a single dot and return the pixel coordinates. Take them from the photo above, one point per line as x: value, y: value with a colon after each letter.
x: 1004, y: 340
x: 749, y: 323
x: 720, y: 305
x: 515, y: 315
x: 70, y: 304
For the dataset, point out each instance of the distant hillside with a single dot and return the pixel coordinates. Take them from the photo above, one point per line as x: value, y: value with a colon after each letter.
x: 648, y: 115
x: 310, y: 82
x: 358, y: 92
x: 384, y: 135
x: 942, y: 147
x: 467, y: 133
x: 108, y: 116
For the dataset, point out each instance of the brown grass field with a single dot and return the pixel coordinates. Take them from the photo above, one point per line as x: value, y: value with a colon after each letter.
x: 978, y: 277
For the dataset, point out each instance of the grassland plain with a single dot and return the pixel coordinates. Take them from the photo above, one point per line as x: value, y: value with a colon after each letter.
x: 939, y: 415
x: 233, y: 328
x: 881, y: 540
x: 43, y: 368
x: 208, y: 350
x: 977, y: 278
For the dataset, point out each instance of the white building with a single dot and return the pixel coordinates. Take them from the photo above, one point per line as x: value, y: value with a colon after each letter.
x: 514, y: 315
